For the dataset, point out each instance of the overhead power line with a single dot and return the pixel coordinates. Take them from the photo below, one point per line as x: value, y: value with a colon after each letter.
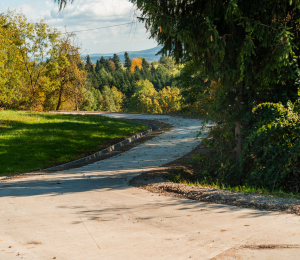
x: 100, y: 27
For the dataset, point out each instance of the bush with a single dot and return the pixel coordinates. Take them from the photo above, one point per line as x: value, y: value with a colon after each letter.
x: 271, y: 151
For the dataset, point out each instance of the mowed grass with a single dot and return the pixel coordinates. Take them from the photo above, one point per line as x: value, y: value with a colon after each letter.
x: 33, y: 141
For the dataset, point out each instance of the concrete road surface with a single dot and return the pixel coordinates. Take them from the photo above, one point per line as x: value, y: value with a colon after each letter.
x: 91, y: 213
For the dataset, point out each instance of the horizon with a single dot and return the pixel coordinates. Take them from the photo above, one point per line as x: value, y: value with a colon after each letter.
x: 89, y: 15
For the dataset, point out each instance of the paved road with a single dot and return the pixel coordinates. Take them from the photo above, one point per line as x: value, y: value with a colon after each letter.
x: 91, y: 213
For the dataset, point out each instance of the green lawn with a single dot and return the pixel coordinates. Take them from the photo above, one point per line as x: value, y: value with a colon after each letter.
x: 33, y: 141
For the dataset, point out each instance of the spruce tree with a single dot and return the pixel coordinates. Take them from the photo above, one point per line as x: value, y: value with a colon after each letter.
x: 98, y: 66
x: 88, y: 64
x: 145, y: 64
x: 116, y: 60
x: 127, y: 63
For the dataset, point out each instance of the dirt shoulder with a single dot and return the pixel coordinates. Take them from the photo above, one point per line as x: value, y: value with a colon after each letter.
x: 157, y: 182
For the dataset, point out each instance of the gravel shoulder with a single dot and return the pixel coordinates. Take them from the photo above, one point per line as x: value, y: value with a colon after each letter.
x: 157, y: 182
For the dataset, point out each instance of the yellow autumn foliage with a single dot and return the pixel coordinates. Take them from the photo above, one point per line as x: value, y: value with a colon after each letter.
x: 147, y: 100
x: 137, y: 62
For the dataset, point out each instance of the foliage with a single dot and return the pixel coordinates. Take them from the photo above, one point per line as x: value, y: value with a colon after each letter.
x: 125, y: 80
x: 136, y: 63
x: 70, y: 79
x: 197, y: 91
x: 248, y: 47
x: 33, y: 141
x: 41, y: 69
x: 127, y: 63
x: 37, y: 45
x: 112, y: 99
x: 271, y: 152
x: 10, y: 72
x: 169, y: 100
x: 147, y: 100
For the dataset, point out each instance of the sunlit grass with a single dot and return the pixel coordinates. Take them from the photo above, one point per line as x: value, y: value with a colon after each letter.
x: 33, y: 141
x: 182, y: 177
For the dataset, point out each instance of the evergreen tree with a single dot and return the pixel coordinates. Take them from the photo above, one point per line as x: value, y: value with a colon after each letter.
x: 116, y: 60
x: 152, y: 69
x: 98, y: 66
x: 88, y: 64
x: 145, y: 64
x: 102, y: 61
x: 127, y: 63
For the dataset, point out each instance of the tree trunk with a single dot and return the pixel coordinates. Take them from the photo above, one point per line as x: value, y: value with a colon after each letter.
x: 239, y: 124
x: 59, y: 98
x: 238, y: 139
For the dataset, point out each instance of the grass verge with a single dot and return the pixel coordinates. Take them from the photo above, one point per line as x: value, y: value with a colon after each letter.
x: 182, y: 176
x: 33, y: 141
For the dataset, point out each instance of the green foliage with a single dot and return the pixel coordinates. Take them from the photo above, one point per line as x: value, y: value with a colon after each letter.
x: 271, y: 150
x: 40, y: 67
x: 116, y: 60
x: 88, y: 64
x: 125, y: 81
x: 127, y: 63
x: 147, y: 100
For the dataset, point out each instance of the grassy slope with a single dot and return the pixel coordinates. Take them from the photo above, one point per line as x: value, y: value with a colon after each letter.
x: 32, y: 141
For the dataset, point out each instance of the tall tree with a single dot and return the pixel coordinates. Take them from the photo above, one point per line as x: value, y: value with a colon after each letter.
x: 88, y: 64
x: 136, y: 63
x: 116, y: 60
x: 127, y: 63
x: 11, y: 72
x: 37, y: 46
x: 145, y: 64
x: 70, y: 78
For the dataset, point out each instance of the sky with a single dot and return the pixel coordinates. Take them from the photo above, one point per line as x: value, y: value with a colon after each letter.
x: 89, y: 14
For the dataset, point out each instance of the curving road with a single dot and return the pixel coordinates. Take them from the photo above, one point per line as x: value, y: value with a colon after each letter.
x: 91, y: 213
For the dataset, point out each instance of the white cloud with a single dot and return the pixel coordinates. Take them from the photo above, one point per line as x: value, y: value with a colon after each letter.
x: 88, y: 14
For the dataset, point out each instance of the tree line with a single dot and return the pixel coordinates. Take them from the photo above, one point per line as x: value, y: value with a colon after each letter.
x: 127, y: 77
x: 42, y: 70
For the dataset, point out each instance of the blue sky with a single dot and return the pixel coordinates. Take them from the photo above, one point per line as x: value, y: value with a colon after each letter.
x: 88, y: 14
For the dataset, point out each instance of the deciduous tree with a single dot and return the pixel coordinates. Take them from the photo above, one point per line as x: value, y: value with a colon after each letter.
x: 10, y: 72
x: 71, y: 79
x: 136, y: 63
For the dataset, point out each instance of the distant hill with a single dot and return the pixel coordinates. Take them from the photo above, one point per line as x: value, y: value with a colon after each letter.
x: 149, y: 55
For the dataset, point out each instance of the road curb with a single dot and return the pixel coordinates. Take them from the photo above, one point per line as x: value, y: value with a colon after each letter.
x: 95, y: 156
